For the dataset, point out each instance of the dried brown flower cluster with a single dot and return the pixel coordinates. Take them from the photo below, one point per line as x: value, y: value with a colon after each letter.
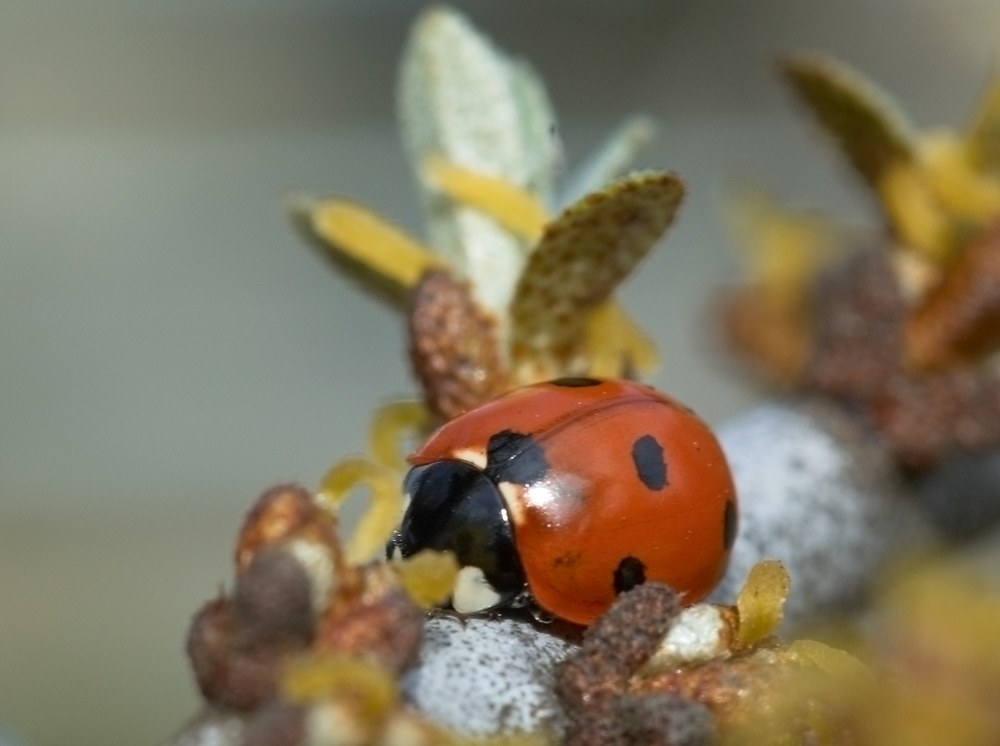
x: 307, y: 642
x: 931, y: 674
x: 309, y: 649
x: 651, y: 672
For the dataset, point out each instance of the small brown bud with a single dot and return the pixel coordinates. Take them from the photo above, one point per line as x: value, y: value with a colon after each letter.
x: 229, y: 675
x: 453, y: 345
x: 279, y: 514
x: 376, y: 620
x: 276, y: 724
x: 272, y: 601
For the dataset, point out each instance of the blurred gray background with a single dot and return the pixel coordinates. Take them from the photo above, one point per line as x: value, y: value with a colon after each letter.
x: 169, y: 347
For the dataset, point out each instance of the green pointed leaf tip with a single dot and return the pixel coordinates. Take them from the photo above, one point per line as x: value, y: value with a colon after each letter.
x: 866, y: 124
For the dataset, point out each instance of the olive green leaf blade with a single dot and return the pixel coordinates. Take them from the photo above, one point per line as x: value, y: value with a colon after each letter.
x: 582, y: 257
x: 863, y: 120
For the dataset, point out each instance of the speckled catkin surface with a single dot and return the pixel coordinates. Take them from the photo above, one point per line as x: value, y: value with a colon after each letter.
x: 485, y: 676
x: 814, y: 498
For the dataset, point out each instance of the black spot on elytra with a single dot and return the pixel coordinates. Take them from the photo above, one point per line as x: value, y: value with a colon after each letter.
x: 515, y: 457
x: 647, y: 454
x: 629, y: 573
x: 576, y: 381
x: 729, y: 524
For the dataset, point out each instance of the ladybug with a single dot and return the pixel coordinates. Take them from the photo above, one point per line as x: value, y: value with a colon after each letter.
x: 561, y: 495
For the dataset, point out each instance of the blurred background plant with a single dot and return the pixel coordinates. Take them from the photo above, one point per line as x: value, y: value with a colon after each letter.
x: 901, y: 322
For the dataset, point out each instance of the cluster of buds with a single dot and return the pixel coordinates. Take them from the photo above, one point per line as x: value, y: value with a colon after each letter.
x: 906, y: 330
x: 308, y: 647
x: 652, y: 672
x: 516, y: 282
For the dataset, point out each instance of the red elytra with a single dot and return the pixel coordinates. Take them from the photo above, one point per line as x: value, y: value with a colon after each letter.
x: 607, y: 484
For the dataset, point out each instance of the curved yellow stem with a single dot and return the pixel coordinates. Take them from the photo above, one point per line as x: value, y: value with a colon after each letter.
x: 362, y: 235
x: 616, y: 346
x: 390, y: 425
x: 515, y: 209
x: 321, y: 677
x: 383, y: 513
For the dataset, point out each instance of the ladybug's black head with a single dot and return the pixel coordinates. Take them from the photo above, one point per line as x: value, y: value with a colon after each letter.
x: 454, y: 506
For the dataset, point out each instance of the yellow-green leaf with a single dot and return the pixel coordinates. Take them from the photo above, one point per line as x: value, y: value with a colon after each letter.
x: 864, y: 121
x: 582, y: 257
x: 378, y: 251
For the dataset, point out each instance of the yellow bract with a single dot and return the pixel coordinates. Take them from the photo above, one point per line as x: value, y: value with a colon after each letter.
x: 761, y: 603
x: 909, y: 201
x: 391, y: 425
x: 786, y: 249
x: 936, y: 189
x: 363, y: 236
x: 938, y: 201
x: 429, y: 576
x: 983, y: 141
x: 517, y: 210
x: 381, y: 472
x: 319, y: 677
x: 385, y: 509
x: 962, y: 186
x: 611, y: 337
x: 830, y: 660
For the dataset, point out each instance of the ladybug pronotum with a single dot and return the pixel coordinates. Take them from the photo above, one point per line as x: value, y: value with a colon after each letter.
x: 561, y: 495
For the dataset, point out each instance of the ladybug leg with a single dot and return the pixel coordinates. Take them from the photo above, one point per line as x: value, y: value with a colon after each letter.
x: 524, y: 600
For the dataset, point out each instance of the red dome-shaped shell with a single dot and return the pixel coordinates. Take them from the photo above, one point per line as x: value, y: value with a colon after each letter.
x: 607, y: 484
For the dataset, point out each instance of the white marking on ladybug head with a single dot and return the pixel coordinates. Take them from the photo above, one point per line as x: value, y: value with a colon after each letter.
x: 473, y: 591
x: 513, y: 497
x: 474, y: 456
